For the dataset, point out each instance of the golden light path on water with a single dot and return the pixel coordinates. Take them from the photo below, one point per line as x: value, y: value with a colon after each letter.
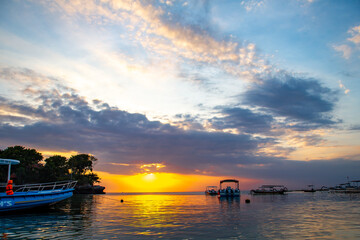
x: 296, y: 215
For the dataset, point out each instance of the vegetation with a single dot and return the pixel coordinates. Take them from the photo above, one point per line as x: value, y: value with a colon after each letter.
x: 33, y: 169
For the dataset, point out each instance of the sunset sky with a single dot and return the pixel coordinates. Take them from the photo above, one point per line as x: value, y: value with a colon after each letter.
x: 177, y: 95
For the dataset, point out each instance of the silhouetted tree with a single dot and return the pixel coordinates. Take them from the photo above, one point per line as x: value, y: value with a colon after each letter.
x: 28, y: 169
x: 81, y: 167
x: 55, y: 169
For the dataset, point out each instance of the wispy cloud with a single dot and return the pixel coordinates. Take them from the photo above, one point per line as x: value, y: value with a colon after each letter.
x: 342, y: 86
x: 161, y: 31
x: 355, y: 35
x: 344, y: 49
x: 347, y: 49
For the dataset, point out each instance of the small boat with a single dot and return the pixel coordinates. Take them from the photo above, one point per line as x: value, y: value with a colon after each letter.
x: 228, y: 191
x: 310, y: 189
x: 211, y: 190
x: 19, y: 197
x: 270, y: 189
x: 348, y: 187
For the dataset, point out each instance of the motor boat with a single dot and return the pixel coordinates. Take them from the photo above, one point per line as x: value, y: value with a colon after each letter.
x: 226, y: 190
x: 18, y: 197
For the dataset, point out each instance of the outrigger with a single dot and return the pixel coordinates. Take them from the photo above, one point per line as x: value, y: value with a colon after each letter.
x: 18, y: 197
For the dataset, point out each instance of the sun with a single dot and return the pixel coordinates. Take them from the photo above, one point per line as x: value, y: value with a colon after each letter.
x: 149, y: 177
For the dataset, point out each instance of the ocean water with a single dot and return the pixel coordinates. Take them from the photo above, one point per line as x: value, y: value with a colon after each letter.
x: 297, y: 215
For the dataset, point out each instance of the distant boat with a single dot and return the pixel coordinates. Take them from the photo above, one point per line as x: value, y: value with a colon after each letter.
x: 310, y: 189
x: 229, y: 191
x: 348, y: 187
x: 211, y: 190
x: 270, y: 189
x: 20, y: 197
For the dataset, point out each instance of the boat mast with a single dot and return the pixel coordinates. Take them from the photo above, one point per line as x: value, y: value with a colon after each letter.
x: 9, y: 170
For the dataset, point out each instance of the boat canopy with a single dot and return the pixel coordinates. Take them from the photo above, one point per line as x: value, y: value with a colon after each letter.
x: 8, y: 161
x: 229, y: 180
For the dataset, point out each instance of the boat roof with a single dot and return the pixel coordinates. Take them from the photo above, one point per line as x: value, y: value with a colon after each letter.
x: 229, y: 180
x: 8, y: 161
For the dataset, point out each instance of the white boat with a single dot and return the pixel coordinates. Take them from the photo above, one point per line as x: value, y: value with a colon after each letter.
x: 270, y: 189
x: 32, y: 195
x: 349, y: 187
x: 211, y: 190
x: 229, y: 191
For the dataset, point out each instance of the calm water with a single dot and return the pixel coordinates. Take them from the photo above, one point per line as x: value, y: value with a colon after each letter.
x: 317, y: 215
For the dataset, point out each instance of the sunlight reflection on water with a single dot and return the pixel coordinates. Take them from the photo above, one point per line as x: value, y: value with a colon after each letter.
x: 172, y: 216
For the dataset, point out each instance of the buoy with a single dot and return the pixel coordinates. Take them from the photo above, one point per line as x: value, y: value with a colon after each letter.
x: 247, y: 200
x: 121, y: 200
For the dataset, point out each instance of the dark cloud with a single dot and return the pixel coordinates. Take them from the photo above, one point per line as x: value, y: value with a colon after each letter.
x: 355, y: 127
x: 303, y: 102
x: 61, y: 120
x: 244, y: 120
x: 67, y: 122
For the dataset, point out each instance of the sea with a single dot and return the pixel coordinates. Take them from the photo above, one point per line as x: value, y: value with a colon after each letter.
x: 296, y: 215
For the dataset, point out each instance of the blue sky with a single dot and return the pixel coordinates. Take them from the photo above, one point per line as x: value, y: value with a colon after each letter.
x: 218, y: 88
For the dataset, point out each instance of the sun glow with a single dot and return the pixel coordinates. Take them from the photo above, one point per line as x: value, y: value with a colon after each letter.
x: 163, y: 182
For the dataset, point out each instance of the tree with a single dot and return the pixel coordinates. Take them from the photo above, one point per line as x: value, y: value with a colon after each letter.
x: 28, y: 169
x: 81, y: 167
x: 55, y: 169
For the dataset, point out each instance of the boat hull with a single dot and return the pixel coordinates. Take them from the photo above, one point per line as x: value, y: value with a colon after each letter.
x: 32, y: 199
x: 266, y: 192
x: 229, y: 195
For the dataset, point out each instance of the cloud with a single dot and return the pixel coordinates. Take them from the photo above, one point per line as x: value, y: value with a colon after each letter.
x: 128, y: 143
x: 305, y: 103
x: 342, y: 86
x: 355, y: 35
x: 348, y: 49
x: 67, y: 122
x: 170, y: 32
x: 244, y: 120
x: 250, y: 5
x: 344, y: 49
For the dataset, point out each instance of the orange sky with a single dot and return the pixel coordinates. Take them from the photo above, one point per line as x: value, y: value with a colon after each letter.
x: 164, y: 182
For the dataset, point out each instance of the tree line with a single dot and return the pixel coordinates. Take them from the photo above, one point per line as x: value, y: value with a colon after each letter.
x: 34, y: 169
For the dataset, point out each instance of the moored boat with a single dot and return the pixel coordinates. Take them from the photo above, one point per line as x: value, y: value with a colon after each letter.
x: 18, y: 197
x: 349, y: 187
x: 227, y: 190
x: 270, y: 189
x: 211, y: 190
x: 310, y: 188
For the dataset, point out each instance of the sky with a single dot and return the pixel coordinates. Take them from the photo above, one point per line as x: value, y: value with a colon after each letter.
x: 177, y: 95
